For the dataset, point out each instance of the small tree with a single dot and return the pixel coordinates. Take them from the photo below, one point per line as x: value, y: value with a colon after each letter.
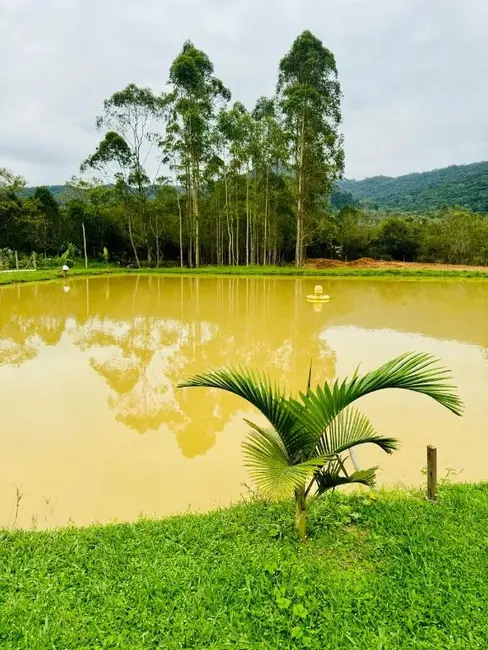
x: 69, y: 254
x: 130, y: 119
x: 303, y: 449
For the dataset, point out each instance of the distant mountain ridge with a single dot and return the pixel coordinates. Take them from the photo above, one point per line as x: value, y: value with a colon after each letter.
x: 457, y: 185
x: 56, y: 190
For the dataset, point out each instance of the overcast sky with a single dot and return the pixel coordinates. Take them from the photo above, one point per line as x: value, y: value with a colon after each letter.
x: 414, y: 73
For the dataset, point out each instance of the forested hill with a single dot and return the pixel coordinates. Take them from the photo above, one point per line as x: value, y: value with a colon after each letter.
x: 56, y: 190
x: 462, y: 185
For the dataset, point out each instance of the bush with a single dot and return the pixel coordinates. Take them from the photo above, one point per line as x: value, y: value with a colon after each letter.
x: 53, y: 263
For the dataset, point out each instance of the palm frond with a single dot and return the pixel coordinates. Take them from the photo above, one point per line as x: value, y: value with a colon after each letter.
x: 270, y: 466
x: 260, y: 391
x: 331, y: 477
x: 349, y: 429
x: 420, y: 373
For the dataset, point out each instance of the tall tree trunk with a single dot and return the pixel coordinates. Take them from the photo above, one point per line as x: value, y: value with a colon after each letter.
x: 265, y: 234
x: 248, y: 225
x: 158, y: 250
x: 180, y: 224
x: 218, y: 230
x: 145, y: 229
x: 133, y: 245
x: 196, y: 217
x: 155, y: 231
x: 237, y: 220
x: 299, y: 242
x: 84, y: 244
x: 222, y: 239
x: 228, y: 215
x: 189, y: 212
x: 254, y: 228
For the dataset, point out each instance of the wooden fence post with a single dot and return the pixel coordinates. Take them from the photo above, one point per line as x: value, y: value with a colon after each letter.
x: 84, y: 244
x: 16, y: 261
x: 431, y: 473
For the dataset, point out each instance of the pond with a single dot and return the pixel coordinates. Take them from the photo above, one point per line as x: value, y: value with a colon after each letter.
x: 93, y: 427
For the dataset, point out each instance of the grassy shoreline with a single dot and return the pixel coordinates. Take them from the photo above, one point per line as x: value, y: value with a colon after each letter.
x: 17, y: 277
x: 391, y: 572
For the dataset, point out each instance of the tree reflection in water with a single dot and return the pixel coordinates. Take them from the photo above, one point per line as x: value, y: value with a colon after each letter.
x: 169, y: 328
x: 29, y: 317
x: 146, y: 333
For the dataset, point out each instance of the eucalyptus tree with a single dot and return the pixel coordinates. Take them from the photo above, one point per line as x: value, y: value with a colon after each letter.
x: 303, y: 450
x: 225, y: 138
x: 231, y: 126
x: 310, y: 94
x: 248, y: 147
x: 192, y: 110
x: 272, y: 158
x: 130, y: 121
x: 241, y: 131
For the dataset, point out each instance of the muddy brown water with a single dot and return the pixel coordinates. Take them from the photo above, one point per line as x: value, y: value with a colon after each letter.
x: 93, y: 428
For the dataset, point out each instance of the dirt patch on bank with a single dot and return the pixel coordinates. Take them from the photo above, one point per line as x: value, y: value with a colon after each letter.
x: 369, y: 263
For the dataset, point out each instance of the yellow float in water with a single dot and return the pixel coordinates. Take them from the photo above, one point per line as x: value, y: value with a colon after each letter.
x: 318, y: 295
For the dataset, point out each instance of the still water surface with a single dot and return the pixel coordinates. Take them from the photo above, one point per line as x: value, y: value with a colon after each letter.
x: 94, y: 429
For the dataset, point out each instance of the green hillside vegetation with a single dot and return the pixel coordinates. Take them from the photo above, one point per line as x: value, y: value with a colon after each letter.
x: 59, y: 192
x: 458, y: 185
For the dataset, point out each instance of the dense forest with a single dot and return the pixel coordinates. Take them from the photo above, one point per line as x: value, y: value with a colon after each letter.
x: 188, y: 177
x: 458, y: 185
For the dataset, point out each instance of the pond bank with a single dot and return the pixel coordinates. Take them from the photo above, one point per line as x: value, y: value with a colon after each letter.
x: 389, y: 572
x: 343, y: 271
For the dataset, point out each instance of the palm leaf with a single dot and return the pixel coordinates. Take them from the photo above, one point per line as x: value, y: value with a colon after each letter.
x: 420, y: 373
x: 270, y: 466
x: 331, y: 477
x: 349, y: 429
x: 265, y: 395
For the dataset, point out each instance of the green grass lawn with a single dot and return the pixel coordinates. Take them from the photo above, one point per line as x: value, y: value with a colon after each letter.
x: 100, y: 269
x: 386, y: 574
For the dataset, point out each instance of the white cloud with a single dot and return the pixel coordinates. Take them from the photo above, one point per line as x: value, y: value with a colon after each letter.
x: 413, y: 72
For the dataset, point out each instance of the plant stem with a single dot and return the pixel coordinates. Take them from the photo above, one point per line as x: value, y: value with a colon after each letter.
x: 301, y: 513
